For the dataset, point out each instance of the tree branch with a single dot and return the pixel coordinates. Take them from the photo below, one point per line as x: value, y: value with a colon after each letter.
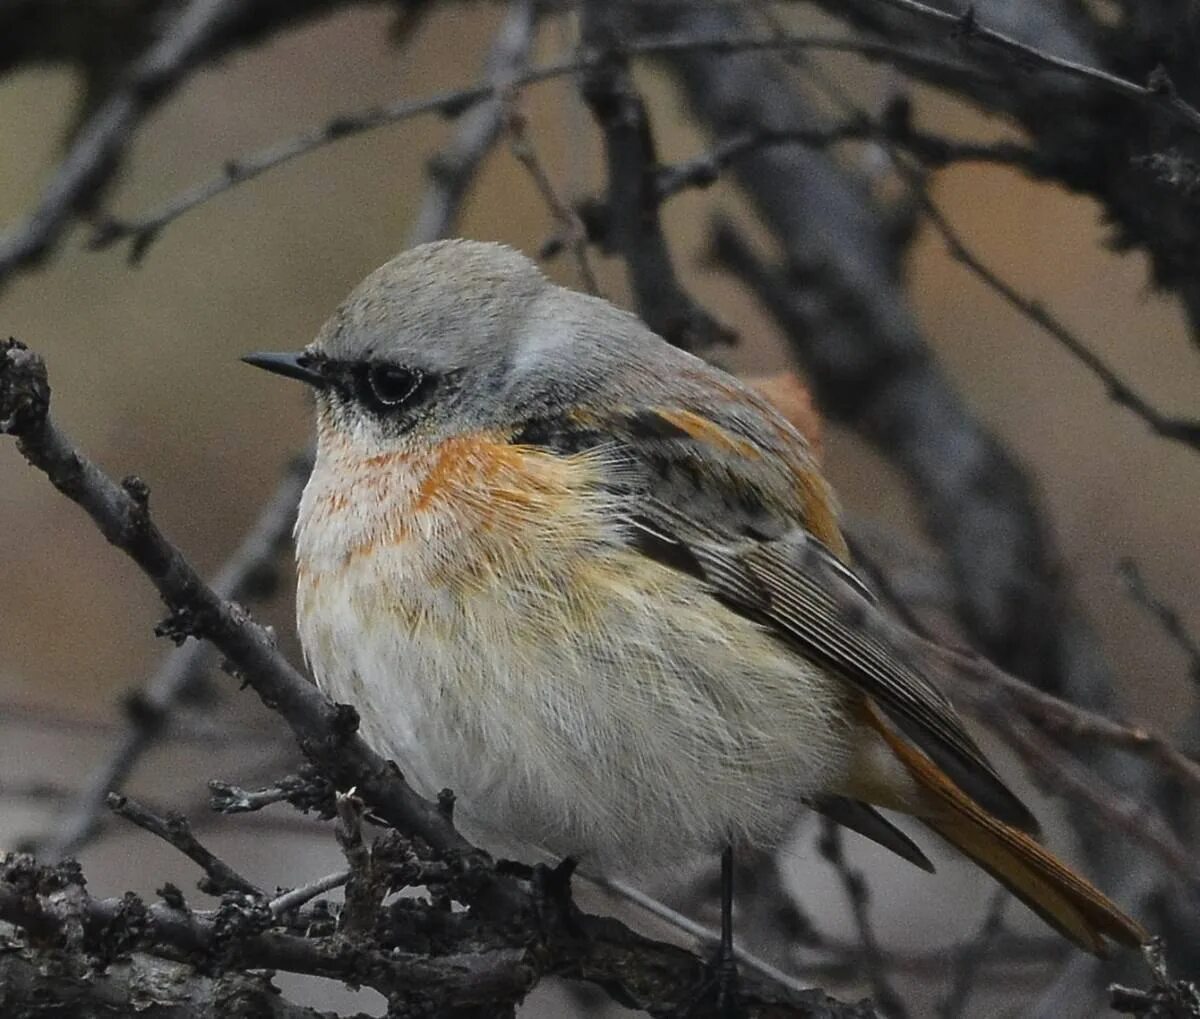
x: 1184, y: 430
x: 175, y: 831
x: 142, y: 230
x: 630, y: 223
x: 1157, y: 93
x: 100, y: 141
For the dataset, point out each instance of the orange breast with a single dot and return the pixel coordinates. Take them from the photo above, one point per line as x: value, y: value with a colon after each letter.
x: 462, y: 505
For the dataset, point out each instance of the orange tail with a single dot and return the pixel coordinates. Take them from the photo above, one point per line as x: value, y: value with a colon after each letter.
x: 1066, y: 901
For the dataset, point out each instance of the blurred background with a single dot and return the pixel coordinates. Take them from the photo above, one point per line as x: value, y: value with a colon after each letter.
x: 144, y: 366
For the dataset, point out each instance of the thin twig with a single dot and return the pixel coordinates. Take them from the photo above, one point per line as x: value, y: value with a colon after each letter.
x: 1168, y: 618
x: 1139, y: 820
x: 142, y: 230
x: 701, y: 932
x: 1060, y: 717
x: 1158, y: 92
x: 874, y: 958
x: 174, y: 830
x: 186, y: 728
x: 452, y: 170
x: 630, y: 223
x: 932, y: 150
x: 969, y: 959
x: 306, y: 792
x: 100, y: 140
x: 568, y: 227
x: 297, y: 897
x: 1184, y: 430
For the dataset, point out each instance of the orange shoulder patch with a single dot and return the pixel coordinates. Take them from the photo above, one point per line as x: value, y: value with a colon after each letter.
x: 703, y: 430
x: 819, y: 516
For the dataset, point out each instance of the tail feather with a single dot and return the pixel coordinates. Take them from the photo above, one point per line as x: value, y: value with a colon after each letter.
x: 1066, y: 901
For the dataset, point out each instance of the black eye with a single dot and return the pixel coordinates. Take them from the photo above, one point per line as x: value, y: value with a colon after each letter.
x: 392, y: 385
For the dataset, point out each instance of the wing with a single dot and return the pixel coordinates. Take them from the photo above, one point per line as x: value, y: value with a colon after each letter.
x: 739, y: 504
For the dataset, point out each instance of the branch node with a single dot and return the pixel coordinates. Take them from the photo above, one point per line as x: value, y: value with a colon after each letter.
x: 1159, y: 82
x: 139, y: 492
x: 24, y: 389
x: 967, y: 25
x: 172, y: 897
x: 178, y: 626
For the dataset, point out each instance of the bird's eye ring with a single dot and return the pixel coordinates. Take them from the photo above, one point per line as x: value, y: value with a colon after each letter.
x: 392, y: 385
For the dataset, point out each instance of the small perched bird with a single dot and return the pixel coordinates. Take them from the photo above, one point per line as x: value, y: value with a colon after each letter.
x: 597, y: 588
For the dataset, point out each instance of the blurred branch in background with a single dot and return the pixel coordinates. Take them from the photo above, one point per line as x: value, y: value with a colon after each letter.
x: 185, y: 35
x: 1106, y: 107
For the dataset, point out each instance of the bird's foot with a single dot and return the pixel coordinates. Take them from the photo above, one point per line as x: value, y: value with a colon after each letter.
x: 719, y: 988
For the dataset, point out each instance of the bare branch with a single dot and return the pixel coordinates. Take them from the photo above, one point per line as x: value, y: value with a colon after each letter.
x: 142, y: 230
x: 704, y: 934
x: 932, y: 150
x: 248, y: 573
x: 569, y: 230
x: 1158, y: 92
x: 297, y: 897
x: 174, y: 830
x: 180, y: 992
x: 1138, y: 819
x: 108, y: 129
x: 631, y: 223
x: 307, y: 791
x: 855, y: 886
x: 1168, y: 618
x: 969, y: 963
x: 1055, y: 715
x: 1184, y: 430
x: 452, y: 170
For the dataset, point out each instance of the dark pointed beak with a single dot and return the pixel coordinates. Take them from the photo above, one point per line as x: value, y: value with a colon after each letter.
x: 295, y: 366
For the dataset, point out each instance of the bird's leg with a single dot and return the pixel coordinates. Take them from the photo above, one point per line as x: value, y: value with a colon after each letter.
x: 722, y: 976
x: 726, y: 965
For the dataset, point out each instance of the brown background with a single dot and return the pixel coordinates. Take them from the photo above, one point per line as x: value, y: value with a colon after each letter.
x: 145, y: 371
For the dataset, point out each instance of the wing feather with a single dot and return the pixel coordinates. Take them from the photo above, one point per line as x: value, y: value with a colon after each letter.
x: 745, y: 524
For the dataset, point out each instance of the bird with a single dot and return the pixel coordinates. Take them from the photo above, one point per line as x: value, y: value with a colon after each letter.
x: 597, y: 587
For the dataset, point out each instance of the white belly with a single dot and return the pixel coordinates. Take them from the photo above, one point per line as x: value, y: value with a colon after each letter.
x: 602, y: 707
